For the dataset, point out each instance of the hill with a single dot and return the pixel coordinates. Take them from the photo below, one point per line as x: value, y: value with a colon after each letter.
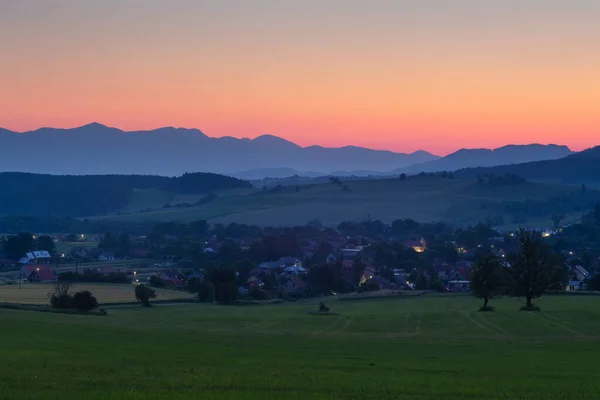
x: 511, y: 154
x: 423, y: 198
x: 418, y: 348
x: 578, y: 168
x: 78, y: 196
x: 98, y: 149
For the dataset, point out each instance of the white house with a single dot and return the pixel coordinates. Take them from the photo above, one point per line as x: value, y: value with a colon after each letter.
x: 35, y: 257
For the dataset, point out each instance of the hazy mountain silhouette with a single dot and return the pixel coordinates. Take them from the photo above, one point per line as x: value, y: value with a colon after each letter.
x: 98, y: 149
x: 582, y: 167
x: 507, y: 155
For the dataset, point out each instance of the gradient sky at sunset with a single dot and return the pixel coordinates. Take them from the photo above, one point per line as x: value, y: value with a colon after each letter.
x: 395, y: 74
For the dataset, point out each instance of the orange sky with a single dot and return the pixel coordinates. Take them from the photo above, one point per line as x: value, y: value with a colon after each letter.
x: 401, y: 75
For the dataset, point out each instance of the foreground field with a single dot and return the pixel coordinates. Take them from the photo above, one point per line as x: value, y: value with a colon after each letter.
x: 37, y: 293
x: 419, y: 348
x: 456, y: 201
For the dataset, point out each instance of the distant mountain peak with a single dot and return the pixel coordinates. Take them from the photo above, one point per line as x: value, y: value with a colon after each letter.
x: 94, y: 125
x: 272, y: 139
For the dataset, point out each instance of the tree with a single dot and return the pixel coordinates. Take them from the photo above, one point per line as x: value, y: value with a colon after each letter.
x: 402, y: 177
x: 594, y: 283
x: 532, y: 269
x: 143, y: 294
x: 15, y: 247
x: 45, y: 243
x: 206, y: 291
x: 486, y: 279
x: 59, y: 296
x: 84, y: 301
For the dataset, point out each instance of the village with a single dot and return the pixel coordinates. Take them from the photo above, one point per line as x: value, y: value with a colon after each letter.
x: 276, y: 262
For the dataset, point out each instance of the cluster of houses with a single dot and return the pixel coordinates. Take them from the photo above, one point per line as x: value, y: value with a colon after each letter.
x: 289, y: 272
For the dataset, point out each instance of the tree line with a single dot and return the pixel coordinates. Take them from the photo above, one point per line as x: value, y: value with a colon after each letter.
x: 79, y: 196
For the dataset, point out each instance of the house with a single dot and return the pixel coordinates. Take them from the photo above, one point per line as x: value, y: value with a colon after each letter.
x: 294, y: 270
x: 42, y: 275
x: 294, y: 286
x: 140, y: 253
x: 27, y: 270
x: 106, y: 256
x: 367, y: 274
x: 80, y: 253
x: 105, y: 270
x: 419, y: 246
x: 383, y: 283
x: 580, y: 273
x: 459, y: 286
x: 36, y: 257
x: 351, y: 254
x: 171, y: 277
x: 37, y: 273
x: 575, y: 286
x: 331, y: 259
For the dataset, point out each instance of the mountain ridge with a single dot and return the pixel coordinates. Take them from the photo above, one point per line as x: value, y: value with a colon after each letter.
x: 504, y: 155
x: 95, y: 148
x: 168, y: 151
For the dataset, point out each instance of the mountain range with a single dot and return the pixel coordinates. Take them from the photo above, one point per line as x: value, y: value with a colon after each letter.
x: 507, y: 155
x: 578, y: 168
x: 98, y: 149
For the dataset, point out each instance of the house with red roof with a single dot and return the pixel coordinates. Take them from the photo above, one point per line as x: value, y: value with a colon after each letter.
x: 42, y: 275
x: 295, y: 286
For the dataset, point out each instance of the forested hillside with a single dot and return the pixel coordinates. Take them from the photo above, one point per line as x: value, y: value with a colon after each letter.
x: 79, y: 196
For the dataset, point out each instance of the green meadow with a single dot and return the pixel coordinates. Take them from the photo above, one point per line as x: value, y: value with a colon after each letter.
x: 455, y: 201
x: 427, y: 347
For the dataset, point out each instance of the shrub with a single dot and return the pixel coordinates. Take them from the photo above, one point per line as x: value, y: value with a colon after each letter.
x: 61, y: 300
x: 143, y: 294
x: 84, y: 301
x: 60, y: 297
x: 323, y: 307
x: 258, y: 294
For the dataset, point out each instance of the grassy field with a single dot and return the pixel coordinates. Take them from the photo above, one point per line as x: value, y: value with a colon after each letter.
x: 456, y: 201
x: 418, y: 348
x: 37, y: 293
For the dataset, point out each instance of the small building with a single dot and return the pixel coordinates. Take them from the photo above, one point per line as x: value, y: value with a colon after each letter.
x: 42, y: 275
x: 575, y: 286
x: 172, y: 277
x: 36, y: 257
x: 106, y: 256
x: 459, y: 286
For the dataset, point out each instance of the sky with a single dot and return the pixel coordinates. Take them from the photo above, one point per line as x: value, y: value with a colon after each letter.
x: 402, y: 75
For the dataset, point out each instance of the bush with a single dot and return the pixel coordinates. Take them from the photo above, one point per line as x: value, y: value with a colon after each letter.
x: 323, y: 307
x: 368, y: 286
x: 258, y: 294
x: 61, y: 300
x: 84, y: 301
x: 143, y: 294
